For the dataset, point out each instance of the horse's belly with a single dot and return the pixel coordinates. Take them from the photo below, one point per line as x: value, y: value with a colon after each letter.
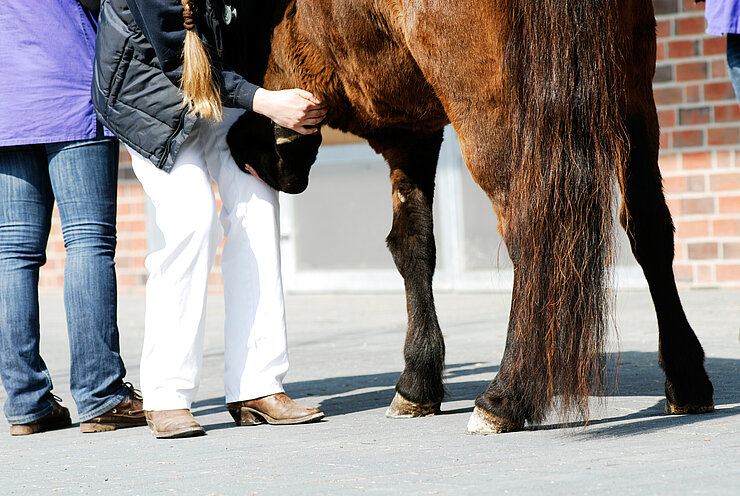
x: 388, y: 94
x: 378, y: 75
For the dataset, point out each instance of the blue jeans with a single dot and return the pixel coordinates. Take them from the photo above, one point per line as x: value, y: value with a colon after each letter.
x: 733, y: 61
x: 81, y: 176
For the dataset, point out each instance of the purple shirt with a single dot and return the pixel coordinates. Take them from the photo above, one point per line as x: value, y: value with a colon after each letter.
x: 723, y: 16
x: 46, y: 57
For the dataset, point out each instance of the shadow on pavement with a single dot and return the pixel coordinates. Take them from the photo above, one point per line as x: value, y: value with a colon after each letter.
x: 638, y: 374
x: 652, y: 420
x: 383, y: 388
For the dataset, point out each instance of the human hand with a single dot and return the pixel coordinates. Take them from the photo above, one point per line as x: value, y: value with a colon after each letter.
x: 294, y: 109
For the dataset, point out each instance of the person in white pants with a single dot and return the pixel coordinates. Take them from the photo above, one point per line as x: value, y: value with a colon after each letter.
x: 255, y: 342
x: 177, y: 140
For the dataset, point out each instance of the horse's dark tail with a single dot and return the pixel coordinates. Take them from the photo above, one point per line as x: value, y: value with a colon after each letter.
x: 562, y: 66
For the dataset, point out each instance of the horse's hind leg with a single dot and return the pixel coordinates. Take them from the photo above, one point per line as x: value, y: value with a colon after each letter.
x: 646, y: 218
x: 412, y: 158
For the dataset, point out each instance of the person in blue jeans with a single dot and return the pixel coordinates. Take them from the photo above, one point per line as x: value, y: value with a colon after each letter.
x: 52, y: 148
x: 723, y: 18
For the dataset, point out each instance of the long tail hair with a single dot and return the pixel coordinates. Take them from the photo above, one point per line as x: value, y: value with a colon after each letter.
x: 562, y: 65
x: 199, y: 90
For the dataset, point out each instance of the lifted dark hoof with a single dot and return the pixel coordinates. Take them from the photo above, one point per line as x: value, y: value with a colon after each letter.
x: 482, y: 422
x: 671, y: 409
x: 403, y: 408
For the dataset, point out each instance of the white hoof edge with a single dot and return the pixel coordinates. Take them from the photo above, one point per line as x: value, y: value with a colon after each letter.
x: 482, y: 422
x: 403, y: 408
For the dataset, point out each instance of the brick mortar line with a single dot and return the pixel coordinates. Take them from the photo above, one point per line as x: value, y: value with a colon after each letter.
x: 698, y: 196
x: 715, y: 57
x: 692, y: 106
x: 705, y: 194
x: 132, y: 238
x: 706, y: 171
x: 708, y: 261
x: 694, y: 82
x: 692, y: 149
x: 710, y: 239
x: 131, y: 217
x: 659, y: 85
x: 684, y: 86
x: 692, y: 176
x: 710, y: 103
x: 679, y: 15
x: 723, y: 238
x: 725, y: 149
x: 686, y: 37
x: 702, y: 127
x: 690, y: 217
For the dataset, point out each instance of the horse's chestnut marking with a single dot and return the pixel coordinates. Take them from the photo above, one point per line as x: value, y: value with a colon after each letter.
x: 282, y: 140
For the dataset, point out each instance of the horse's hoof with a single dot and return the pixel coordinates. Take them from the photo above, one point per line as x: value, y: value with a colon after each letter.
x: 403, y: 408
x: 671, y: 409
x: 482, y: 422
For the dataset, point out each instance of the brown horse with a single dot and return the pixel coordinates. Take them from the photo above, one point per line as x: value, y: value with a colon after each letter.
x: 552, y: 101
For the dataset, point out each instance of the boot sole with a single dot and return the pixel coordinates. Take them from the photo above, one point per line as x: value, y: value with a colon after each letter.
x: 250, y: 416
x: 25, y: 430
x: 180, y: 433
x: 90, y: 427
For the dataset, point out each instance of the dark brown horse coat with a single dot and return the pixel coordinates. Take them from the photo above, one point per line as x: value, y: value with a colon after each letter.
x: 552, y: 101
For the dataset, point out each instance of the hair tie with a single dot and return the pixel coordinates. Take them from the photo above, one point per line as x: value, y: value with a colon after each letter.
x: 188, y: 18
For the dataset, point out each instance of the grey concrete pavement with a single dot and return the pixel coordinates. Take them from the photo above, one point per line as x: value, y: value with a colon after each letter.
x: 345, y: 358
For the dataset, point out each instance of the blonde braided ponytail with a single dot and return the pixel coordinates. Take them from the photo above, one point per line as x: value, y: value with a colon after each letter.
x: 199, y: 90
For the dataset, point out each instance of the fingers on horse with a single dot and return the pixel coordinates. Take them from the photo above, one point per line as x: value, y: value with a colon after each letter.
x: 308, y: 96
x: 305, y: 131
x: 312, y: 121
x: 315, y: 114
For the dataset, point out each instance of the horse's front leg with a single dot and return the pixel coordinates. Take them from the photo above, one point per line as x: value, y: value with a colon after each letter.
x: 412, y: 158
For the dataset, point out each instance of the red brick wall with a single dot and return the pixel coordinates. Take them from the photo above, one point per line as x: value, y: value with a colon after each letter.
x: 700, y: 133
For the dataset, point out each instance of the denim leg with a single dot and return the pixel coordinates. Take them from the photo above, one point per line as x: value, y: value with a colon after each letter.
x: 26, y: 202
x: 84, y: 179
x: 733, y: 61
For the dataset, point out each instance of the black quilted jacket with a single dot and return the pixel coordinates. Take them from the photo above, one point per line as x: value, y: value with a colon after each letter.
x: 137, y: 69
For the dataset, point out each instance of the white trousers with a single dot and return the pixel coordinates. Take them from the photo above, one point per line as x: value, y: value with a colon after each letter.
x: 255, y: 341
